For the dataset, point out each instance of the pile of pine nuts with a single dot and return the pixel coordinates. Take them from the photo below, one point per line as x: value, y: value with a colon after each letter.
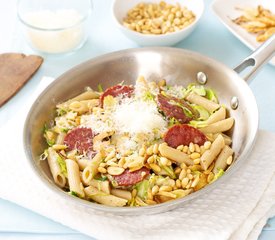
x: 162, y: 18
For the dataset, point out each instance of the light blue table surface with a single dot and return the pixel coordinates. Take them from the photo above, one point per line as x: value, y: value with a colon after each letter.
x: 210, y: 38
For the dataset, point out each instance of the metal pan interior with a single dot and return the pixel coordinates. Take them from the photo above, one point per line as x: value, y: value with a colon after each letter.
x: 177, y: 66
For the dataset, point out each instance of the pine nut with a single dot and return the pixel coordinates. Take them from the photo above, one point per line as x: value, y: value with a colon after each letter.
x: 142, y: 151
x: 188, y: 170
x: 194, y: 155
x: 134, y: 193
x: 191, y: 147
x: 151, y: 159
x: 197, y: 161
x: 149, y: 194
x: 115, y: 170
x: 166, y: 188
x: 184, y: 182
x: 182, y: 174
x: 210, y: 177
x: 155, y: 148
x: 207, y: 145
x: 180, y: 147
x: 102, y: 170
x: 121, y: 162
x: 183, y: 166
x: 229, y: 160
x: 197, y: 148
x: 190, y: 176
x: 163, y: 161
x: 185, y: 149
x: 149, y: 150
x: 196, y: 181
x: 155, y: 189
x: 102, y: 165
x: 178, y: 183
x: 155, y: 167
x: 110, y: 156
x: 177, y: 170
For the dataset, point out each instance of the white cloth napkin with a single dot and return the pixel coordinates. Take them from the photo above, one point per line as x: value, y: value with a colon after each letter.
x: 236, y: 209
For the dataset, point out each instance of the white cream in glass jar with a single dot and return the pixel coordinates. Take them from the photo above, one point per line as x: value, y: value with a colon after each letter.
x: 54, y: 28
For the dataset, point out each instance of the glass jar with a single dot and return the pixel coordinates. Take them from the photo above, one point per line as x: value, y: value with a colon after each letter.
x: 52, y: 26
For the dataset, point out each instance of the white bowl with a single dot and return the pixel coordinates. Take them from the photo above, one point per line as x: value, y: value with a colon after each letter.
x: 121, y: 7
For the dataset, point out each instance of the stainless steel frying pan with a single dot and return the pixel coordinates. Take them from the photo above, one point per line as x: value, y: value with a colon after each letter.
x: 177, y: 66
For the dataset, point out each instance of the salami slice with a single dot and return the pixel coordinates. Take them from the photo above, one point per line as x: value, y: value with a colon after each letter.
x: 80, y: 139
x: 183, y: 135
x: 128, y: 178
x: 117, y: 90
x: 174, y: 108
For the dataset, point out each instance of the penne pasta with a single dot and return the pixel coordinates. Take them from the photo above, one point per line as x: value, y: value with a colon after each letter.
x: 104, y: 198
x: 221, y: 160
x: 83, y: 96
x: 220, y: 126
x: 174, y: 154
x: 217, y: 116
x: 83, y: 163
x: 147, y: 144
x: 121, y: 194
x: 92, y: 168
x: 74, y: 177
x: 53, y: 160
x: 103, y: 186
x: 209, y: 155
x: 83, y: 106
x: 204, y: 102
x: 60, y: 138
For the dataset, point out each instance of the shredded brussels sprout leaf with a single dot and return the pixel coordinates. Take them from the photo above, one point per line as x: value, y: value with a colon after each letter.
x: 62, y: 165
x: 218, y: 175
x: 142, y: 189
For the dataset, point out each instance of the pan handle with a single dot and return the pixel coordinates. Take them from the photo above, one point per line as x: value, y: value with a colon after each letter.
x: 257, y: 59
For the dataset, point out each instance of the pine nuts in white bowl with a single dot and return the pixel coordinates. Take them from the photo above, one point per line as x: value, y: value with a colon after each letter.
x: 155, y: 22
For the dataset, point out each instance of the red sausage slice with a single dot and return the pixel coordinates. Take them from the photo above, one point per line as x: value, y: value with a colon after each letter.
x: 117, y: 90
x: 80, y: 139
x: 171, y: 108
x: 130, y: 178
x: 184, y: 135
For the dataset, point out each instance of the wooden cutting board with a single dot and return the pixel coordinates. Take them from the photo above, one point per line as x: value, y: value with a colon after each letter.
x: 15, y: 70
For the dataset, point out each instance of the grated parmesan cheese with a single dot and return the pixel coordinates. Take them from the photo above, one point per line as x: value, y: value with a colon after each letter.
x: 137, y: 117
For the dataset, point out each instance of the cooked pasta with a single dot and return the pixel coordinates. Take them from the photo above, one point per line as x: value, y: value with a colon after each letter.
x: 139, y: 145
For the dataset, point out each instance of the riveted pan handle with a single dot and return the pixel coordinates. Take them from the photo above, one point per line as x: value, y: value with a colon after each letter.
x: 257, y: 59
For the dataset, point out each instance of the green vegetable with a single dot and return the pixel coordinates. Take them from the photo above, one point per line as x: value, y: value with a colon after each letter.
x: 45, y: 128
x: 73, y: 193
x: 62, y: 165
x: 64, y: 130
x: 172, y: 121
x: 204, y: 114
x: 102, y: 178
x: 99, y: 87
x: 142, y: 189
x: 218, y: 175
x: 198, y: 124
x: 211, y: 95
x: 169, y: 171
x: 200, y: 90
x: 61, y: 112
x: 50, y: 142
x: 148, y: 96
